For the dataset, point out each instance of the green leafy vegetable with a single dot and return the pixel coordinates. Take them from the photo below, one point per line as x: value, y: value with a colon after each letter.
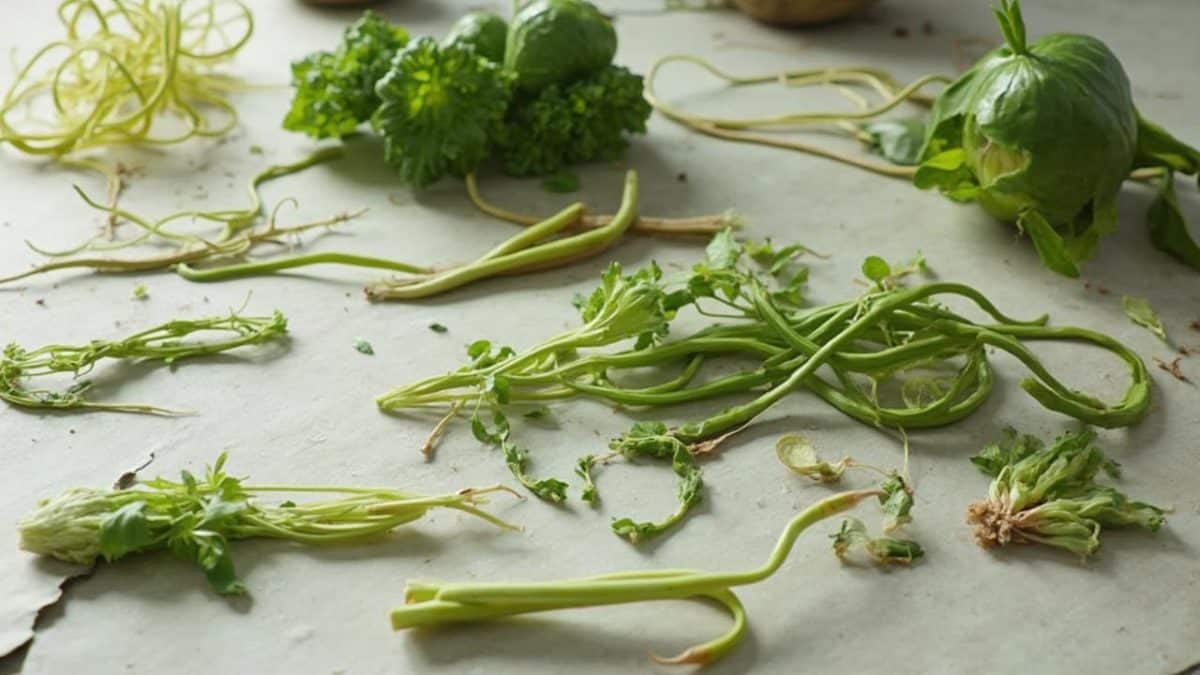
x: 165, y: 343
x: 1140, y: 312
x: 1049, y: 495
x: 485, y: 32
x: 556, y: 41
x: 439, y: 103
x: 195, y: 519
x: 335, y: 91
x: 581, y: 121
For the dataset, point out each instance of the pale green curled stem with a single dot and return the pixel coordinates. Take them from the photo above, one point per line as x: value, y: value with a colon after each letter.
x: 433, y: 604
x: 558, y: 251
x: 705, y: 226
x: 736, y: 129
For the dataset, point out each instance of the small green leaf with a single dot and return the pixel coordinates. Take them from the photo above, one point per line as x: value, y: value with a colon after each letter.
x: 256, y: 150
x: 438, y: 328
x: 125, y: 531
x: 876, y: 269
x: 723, y: 251
x: 897, y: 140
x: 896, y: 502
x: 363, y: 346
x: 537, y: 413
x: 561, y: 182
x: 1051, y: 247
x: 1140, y: 312
x: 210, y: 551
x: 800, y: 457
x: 140, y: 292
x: 1168, y: 229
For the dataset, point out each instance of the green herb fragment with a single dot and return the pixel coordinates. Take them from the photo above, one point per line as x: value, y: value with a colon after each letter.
x: 363, y: 346
x: 140, y: 292
x: 436, y: 604
x: 1049, y: 495
x: 896, y: 500
x: 195, y: 519
x: 256, y: 150
x: 800, y: 457
x: 438, y: 328
x: 884, y: 550
x: 164, y: 343
x: 897, y: 140
x: 583, y: 469
x: 562, y: 182
x: 335, y: 91
x: 1140, y: 312
x: 516, y: 458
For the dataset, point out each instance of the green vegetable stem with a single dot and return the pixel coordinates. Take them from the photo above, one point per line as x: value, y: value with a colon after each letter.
x: 196, y: 519
x: 438, y: 604
x: 858, y: 355
x: 165, y: 343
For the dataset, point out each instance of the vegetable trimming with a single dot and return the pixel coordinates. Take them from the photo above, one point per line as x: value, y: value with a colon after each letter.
x: 893, y: 356
x: 1049, y: 494
x: 197, y: 518
x: 1042, y: 134
x: 166, y: 344
x: 437, y: 604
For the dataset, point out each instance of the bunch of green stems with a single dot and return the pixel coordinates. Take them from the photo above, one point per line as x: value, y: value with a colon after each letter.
x: 165, y: 343
x: 851, y: 354
x: 824, y: 350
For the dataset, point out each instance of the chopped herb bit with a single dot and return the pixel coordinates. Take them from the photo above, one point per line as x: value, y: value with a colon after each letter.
x: 438, y: 328
x: 140, y: 292
x: 1140, y: 312
x: 363, y: 346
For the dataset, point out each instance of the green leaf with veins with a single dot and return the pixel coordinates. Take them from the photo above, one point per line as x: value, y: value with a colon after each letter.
x: 335, y: 91
x: 1168, y: 229
x: 583, y: 469
x: 1140, y: 312
x: 723, y: 251
x: 439, y: 105
x: 897, y: 140
x: 124, y: 531
x: 896, y: 502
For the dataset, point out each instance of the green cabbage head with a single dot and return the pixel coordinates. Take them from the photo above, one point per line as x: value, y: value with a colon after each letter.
x: 1042, y: 135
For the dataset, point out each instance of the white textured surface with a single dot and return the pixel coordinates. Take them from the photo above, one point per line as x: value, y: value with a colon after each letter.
x: 306, y: 414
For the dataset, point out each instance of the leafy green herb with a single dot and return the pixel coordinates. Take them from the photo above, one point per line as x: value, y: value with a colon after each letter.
x: 1049, y: 495
x: 335, y: 91
x: 583, y: 469
x: 363, y: 346
x: 1140, y: 312
x: 165, y: 343
x: 195, y: 519
x: 515, y: 456
x: 438, y: 105
x: 485, y: 32
x: 898, y: 140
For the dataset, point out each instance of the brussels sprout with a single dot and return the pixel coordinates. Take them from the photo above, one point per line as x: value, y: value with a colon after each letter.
x: 557, y: 41
x: 484, y: 31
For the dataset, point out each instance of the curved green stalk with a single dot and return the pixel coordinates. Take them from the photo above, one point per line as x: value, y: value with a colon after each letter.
x: 250, y: 269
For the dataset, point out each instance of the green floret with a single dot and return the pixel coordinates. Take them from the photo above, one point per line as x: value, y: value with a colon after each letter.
x: 335, y: 91
x: 439, y: 103
x: 584, y: 121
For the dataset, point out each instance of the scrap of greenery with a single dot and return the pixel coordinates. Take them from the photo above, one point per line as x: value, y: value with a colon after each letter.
x: 892, y: 341
x: 196, y: 519
x: 167, y: 343
x: 1140, y: 312
x: 1049, y: 495
x: 363, y: 347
